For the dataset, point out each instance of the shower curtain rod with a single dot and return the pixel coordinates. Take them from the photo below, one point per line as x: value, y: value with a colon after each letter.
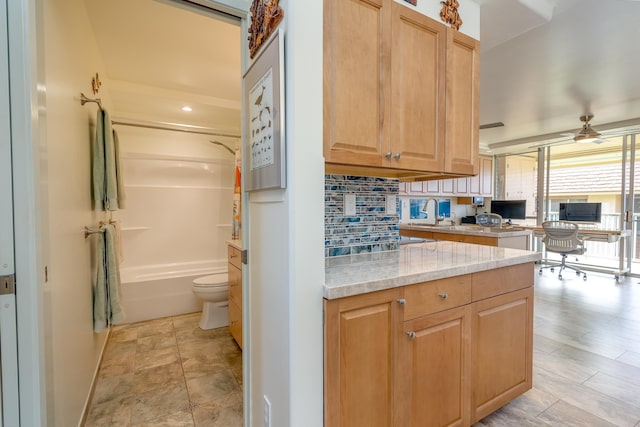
x: 171, y: 127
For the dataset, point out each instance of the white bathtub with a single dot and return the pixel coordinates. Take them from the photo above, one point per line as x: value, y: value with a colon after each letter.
x: 154, y: 291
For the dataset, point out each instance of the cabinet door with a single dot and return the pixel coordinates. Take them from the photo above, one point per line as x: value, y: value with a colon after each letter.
x: 482, y: 183
x: 486, y: 176
x: 502, y: 337
x: 462, y: 186
x: 462, y: 106
x: 417, y: 90
x: 360, y: 335
x: 402, y: 188
x: 355, y: 80
x: 235, y: 302
x: 431, y: 187
x: 416, y: 187
x: 433, y: 377
x: 447, y: 187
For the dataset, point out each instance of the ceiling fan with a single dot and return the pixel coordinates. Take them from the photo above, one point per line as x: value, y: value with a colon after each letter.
x: 587, y: 133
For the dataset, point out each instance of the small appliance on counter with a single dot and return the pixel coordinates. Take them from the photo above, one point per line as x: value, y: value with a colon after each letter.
x: 471, y: 219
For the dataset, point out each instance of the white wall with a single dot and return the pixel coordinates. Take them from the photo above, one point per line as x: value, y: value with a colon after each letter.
x: 286, y: 256
x: 179, y: 190
x: 286, y: 240
x: 469, y: 12
x: 72, y: 348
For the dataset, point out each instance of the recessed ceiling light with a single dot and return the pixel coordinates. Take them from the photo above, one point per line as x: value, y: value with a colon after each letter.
x: 186, y: 108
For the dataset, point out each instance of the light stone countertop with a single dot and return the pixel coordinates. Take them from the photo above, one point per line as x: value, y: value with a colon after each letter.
x: 471, y: 230
x: 414, y: 263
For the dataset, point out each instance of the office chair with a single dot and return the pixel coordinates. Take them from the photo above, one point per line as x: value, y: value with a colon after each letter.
x: 562, y: 237
x: 489, y: 220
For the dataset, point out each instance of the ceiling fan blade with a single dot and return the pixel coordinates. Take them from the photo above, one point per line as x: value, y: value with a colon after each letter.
x: 491, y: 125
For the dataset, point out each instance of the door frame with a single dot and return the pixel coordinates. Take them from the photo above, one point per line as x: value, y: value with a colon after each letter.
x: 238, y: 9
x: 9, y: 402
x: 23, y: 41
x: 27, y: 101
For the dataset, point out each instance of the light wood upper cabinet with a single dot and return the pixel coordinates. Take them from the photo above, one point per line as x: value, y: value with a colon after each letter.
x: 400, y: 92
x: 462, y: 103
x: 418, y: 57
x: 355, y: 81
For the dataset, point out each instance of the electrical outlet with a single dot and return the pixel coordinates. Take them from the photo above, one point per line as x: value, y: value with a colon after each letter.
x: 391, y: 208
x: 267, y: 412
x: 349, y: 205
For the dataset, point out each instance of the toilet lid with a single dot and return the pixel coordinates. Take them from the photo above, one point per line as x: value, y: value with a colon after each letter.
x: 211, y: 280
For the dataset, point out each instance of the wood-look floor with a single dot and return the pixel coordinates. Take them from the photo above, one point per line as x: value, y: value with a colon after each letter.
x: 586, y: 361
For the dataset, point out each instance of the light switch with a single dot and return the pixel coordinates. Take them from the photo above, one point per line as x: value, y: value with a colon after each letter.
x: 349, y: 205
x: 391, y: 208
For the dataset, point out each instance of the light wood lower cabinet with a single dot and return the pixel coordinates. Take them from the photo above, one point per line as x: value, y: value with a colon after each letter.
x: 502, y: 350
x: 234, y: 267
x: 360, y: 335
x: 433, y: 370
x: 441, y: 353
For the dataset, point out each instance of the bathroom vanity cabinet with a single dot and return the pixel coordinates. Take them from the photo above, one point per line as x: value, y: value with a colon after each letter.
x: 234, y: 258
x: 444, y: 352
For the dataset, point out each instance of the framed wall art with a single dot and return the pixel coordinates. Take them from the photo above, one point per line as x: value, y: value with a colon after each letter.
x: 264, y: 148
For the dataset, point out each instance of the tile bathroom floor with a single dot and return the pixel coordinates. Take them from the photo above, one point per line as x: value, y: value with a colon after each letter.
x: 168, y: 372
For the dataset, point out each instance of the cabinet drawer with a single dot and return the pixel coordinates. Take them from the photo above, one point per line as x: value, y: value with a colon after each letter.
x: 417, y: 233
x: 235, y: 322
x: 234, y: 256
x: 464, y: 238
x: 431, y: 297
x: 235, y: 285
x: 486, y: 284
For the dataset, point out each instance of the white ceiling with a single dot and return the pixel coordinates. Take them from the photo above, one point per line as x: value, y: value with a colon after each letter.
x: 543, y: 64
x: 159, y: 58
x: 539, y: 76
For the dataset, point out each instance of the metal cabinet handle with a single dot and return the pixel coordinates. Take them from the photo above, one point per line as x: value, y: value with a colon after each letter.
x: 443, y: 295
x: 401, y: 301
x: 388, y: 155
x: 397, y: 156
x: 411, y: 334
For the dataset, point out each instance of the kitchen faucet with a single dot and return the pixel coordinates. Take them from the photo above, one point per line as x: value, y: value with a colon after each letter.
x: 436, y: 218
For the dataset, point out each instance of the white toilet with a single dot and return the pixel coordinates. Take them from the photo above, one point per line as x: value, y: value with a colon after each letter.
x: 213, y: 291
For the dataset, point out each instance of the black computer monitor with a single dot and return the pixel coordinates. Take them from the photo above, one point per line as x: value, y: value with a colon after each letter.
x: 581, y: 212
x: 510, y: 209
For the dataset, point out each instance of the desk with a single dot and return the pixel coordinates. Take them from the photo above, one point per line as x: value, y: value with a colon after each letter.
x: 599, y: 235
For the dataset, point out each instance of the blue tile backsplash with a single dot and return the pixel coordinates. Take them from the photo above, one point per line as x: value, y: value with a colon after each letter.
x: 371, y: 229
